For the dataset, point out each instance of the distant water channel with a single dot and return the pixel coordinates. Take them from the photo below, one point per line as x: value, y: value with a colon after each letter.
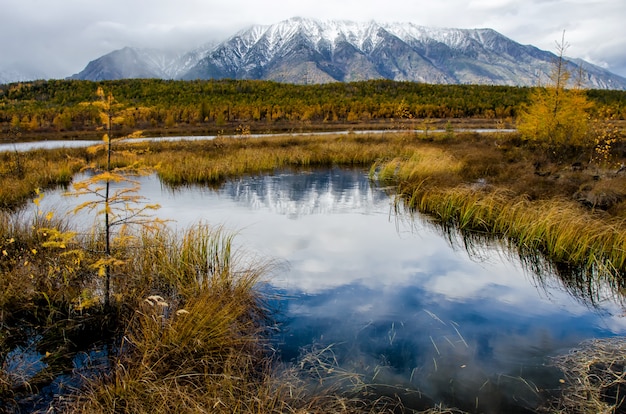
x: 36, y: 145
x: 388, y: 295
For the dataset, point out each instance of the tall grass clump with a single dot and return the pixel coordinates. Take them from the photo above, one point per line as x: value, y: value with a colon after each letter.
x: 187, y: 327
x: 197, y: 338
x: 192, y: 357
x: 562, y: 230
x: 431, y: 181
x: 200, y: 258
x: 194, y: 340
x: 212, y: 162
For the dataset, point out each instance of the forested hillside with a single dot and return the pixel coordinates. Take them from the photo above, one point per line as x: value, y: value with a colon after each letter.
x: 67, y: 105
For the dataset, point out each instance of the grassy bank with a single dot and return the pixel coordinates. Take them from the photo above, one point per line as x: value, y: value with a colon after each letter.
x: 23, y: 172
x: 567, y: 208
x: 188, y: 331
x: 570, y: 210
x: 534, y: 204
x: 212, y: 162
x: 189, y: 325
x: 570, y: 207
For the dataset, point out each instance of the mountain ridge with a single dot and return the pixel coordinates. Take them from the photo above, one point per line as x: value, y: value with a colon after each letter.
x: 301, y: 50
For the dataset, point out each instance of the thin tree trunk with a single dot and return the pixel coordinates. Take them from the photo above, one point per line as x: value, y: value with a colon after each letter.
x: 107, y: 226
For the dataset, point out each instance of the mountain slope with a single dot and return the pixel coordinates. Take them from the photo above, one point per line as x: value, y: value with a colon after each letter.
x: 141, y: 63
x: 311, y: 51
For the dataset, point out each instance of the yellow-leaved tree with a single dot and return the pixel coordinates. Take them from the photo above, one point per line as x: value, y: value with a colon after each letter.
x: 557, y: 113
x: 113, y: 194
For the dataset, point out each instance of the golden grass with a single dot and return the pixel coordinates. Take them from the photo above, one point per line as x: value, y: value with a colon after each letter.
x: 22, y: 173
x: 233, y: 380
x: 34, y: 268
x: 594, y: 379
x: 487, y: 183
x: 195, y: 316
x: 424, y: 163
x: 202, y: 356
x: 212, y: 162
x: 204, y: 351
x: 559, y: 228
x: 190, y: 334
x: 196, y: 339
x: 431, y: 181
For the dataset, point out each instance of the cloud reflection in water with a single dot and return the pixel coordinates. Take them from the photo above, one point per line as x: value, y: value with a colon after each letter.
x: 399, y: 303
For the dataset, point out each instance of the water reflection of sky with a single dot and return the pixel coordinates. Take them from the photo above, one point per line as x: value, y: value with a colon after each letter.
x: 400, y: 304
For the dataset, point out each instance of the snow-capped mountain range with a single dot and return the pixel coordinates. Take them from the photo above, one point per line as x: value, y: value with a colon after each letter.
x: 302, y: 50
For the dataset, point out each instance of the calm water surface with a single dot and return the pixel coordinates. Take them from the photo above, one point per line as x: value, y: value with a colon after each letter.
x: 394, y: 300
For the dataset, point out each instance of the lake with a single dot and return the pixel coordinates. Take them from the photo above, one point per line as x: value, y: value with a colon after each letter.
x: 390, y: 296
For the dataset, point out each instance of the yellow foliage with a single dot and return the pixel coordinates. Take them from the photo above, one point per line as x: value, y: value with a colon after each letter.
x: 606, y: 136
x: 136, y: 134
x: 85, y: 301
x: 39, y: 197
x: 93, y: 150
x: 119, y: 205
x: 557, y: 115
x: 56, y: 238
x: 102, y: 263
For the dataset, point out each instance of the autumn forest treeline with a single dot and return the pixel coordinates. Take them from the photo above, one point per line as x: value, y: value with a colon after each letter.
x: 67, y: 105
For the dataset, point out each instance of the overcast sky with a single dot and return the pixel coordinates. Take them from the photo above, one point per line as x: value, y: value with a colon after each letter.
x: 57, y: 38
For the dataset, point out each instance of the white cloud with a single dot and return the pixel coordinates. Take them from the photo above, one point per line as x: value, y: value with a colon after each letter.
x: 62, y: 37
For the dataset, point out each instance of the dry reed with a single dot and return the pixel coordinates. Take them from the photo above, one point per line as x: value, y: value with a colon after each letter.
x: 22, y: 173
x: 594, y: 378
x: 194, y: 341
x: 559, y: 228
x: 430, y: 181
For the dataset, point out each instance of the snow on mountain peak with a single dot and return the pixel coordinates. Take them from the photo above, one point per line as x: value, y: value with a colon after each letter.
x: 309, y: 50
x: 362, y: 35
